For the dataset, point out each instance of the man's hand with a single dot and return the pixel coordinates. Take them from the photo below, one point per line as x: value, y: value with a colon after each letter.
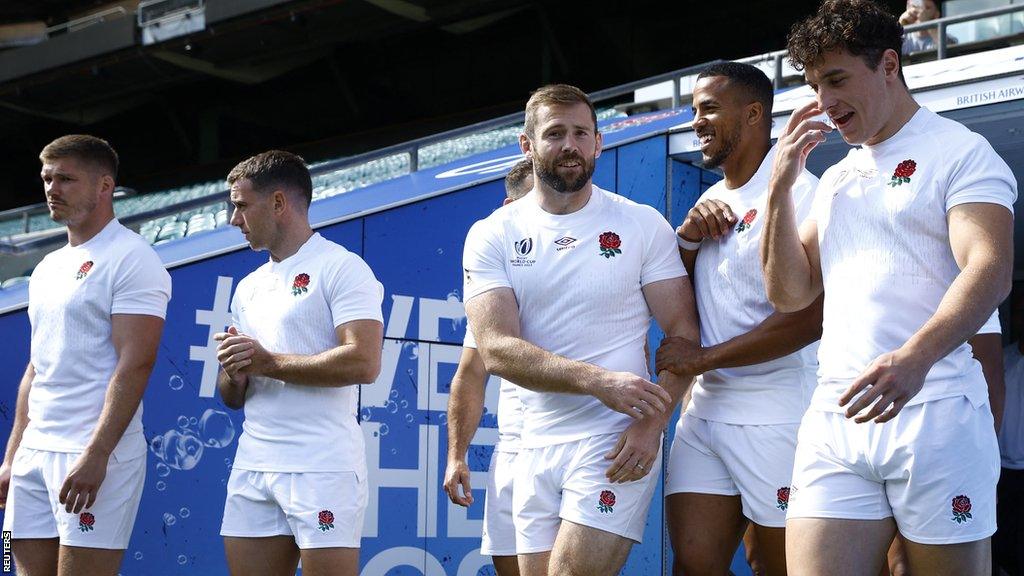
x: 83, y: 482
x: 892, y: 378
x: 680, y: 357
x: 801, y: 135
x: 5, y: 483
x: 708, y: 219
x: 242, y: 356
x: 632, y: 395
x: 455, y: 475
x: 636, y: 451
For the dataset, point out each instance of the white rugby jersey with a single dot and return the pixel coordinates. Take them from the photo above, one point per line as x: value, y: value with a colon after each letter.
x: 71, y: 297
x: 577, y: 279
x: 293, y: 307
x: 885, y: 255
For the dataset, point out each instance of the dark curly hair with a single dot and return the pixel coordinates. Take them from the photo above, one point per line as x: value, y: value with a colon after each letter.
x: 861, y: 27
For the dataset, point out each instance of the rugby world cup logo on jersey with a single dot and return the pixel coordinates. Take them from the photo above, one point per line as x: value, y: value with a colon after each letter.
x: 523, y: 248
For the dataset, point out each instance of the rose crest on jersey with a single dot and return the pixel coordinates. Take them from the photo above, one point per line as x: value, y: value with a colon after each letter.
x: 326, y: 519
x: 86, y: 521
x: 961, y: 509
x: 83, y: 270
x: 300, y: 284
x: 606, y: 502
x: 610, y: 246
x: 903, y: 173
x: 782, y: 497
x: 748, y: 220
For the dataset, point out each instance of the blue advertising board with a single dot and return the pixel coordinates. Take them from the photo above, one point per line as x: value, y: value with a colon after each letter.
x: 410, y: 231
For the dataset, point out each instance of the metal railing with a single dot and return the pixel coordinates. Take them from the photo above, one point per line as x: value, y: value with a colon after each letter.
x: 87, y: 20
x: 942, y: 23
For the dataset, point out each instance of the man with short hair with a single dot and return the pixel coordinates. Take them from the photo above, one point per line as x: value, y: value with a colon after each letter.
x: 732, y: 455
x: 306, y: 330
x: 465, y: 407
x: 910, y: 239
x: 75, y: 464
x: 559, y: 290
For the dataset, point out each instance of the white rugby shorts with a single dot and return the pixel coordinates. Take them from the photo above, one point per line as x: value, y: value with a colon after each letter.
x: 34, y: 509
x: 320, y: 509
x: 499, y: 537
x: 567, y: 482
x: 752, y: 462
x: 933, y: 468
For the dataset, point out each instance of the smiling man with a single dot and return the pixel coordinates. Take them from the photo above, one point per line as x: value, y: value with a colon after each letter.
x: 75, y: 464
x: 911, y: 240
x: 306, y: 330
x: 560, y: 288
x: 732, y: 455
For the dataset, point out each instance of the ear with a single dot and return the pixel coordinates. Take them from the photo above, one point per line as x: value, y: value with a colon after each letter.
x: 526, y: 145
x: 507, y: 201
x: 599, y: 142
x: 279, y: 201
x: 107, y: 184
x: 891, y: 65
x: 755, y: 113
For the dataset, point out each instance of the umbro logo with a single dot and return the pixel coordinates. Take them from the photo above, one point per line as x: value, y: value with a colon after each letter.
x: 565, y: 240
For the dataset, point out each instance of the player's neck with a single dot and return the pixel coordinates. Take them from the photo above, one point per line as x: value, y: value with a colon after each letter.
x: 743, y: 163
x: 903, y: 110
x: 81, y: 232
x: 554, y: 202
x: 289, y: 242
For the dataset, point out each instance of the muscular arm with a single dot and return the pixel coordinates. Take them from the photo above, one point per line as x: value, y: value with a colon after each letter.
x: 789, y: 255
x: 780, y: 334
x: 465, y: 407
x: 988, y: 350
x: 494, y: 316
x: 355, y: 360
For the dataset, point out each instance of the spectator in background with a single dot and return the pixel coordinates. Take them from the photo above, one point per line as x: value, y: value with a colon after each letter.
x: 1008, y: 541
x: 922, y: 11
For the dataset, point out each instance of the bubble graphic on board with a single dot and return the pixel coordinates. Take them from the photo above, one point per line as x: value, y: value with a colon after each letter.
x: 161, y: 485
x: 365, y: 414
x: 408, y: 418
x: 193, y: 421
x: 394, y: 394
x: 412, y: 349
x: 182, y: 421
x: 180, y: 450
x: 384, y: 429
x: 404, y: 403
x: 184, y: 512
x: 138, y: 555
x: 175, y: 382
x: 162, y: 470
x: 216, y: 428
x: 392, y: 407
x: 169, y: 519
x: 182, y: 559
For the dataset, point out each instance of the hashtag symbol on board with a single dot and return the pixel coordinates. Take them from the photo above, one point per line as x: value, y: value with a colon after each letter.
x: 217, y: 319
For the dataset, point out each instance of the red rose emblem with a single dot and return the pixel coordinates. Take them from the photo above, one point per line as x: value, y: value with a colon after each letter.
x: 85, y: 521
x: 748, y: 220
x: 326, y: 520
x: 903, y: 173
x: 606, y: 502
x: 782, y: 498
x: 961, y: 509
x: 83, y: 270
x: 610, y: 244
x: 299, y: 285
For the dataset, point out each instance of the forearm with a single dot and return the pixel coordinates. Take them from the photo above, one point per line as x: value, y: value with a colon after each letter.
x: 689, y: 260
x: 968, y: 302
x: 123, y: 396
x: 988, y: 350
x: 778, y: 335
x: 20, y: 414
x: 787, y: 271
x: 465, y: 407
x: 231, y: 392
x: 537, y: 369
x: 343, y: 365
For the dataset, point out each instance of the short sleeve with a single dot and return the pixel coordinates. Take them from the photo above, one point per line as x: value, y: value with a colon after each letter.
x: 355, y: 292
x: 661, y: 259
x: 141, y: 284
x: 992, y: 325
x: 469, y: 341
x: 978, y: 174
x: 483, y: 262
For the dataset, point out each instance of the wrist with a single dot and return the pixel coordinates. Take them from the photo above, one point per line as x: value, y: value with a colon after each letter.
x: 95, y: 450
x: 686, y: 243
